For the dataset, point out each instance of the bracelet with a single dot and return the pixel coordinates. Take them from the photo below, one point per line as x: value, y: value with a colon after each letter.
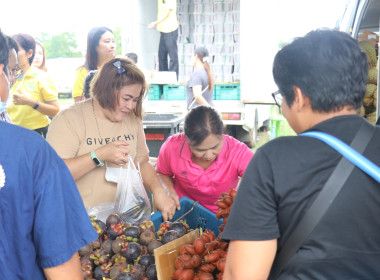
x: 96, y: 159
x: 37, y: 105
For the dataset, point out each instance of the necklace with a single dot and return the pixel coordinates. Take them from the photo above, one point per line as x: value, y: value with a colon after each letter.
x: 97, y: 124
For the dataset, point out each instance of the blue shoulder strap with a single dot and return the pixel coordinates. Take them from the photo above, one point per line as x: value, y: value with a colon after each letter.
x: 352, y: 155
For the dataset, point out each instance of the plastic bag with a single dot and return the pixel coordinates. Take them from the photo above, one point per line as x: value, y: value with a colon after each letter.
x: 101, y: 211
x: 131, y: 201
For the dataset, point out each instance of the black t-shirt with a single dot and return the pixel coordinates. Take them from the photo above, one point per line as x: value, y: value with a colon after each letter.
x: 279, y: 185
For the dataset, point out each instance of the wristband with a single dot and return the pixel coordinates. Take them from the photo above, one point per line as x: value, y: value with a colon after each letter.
x: 95, y: 159
x: 37, y: 105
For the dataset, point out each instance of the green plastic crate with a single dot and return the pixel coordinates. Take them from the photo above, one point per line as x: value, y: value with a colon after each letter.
x: 227, y: 92
x: 154, y: 92
x: 174, y: 92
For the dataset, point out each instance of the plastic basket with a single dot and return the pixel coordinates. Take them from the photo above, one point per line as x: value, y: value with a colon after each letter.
x: 227, y: 92
x: 154, y: 92
x: 199, y: 217
x: 174, y: 92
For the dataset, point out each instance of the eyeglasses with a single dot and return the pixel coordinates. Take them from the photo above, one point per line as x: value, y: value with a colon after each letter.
x: 16, y: 72
x: 277, y: 98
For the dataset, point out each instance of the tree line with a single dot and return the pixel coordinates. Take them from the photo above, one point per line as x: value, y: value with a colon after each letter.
x: 65, y: 44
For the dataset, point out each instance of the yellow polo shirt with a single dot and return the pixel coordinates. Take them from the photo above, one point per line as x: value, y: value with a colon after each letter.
x: 38, y: 85
x: 171, y: 23
x: 79, y: 81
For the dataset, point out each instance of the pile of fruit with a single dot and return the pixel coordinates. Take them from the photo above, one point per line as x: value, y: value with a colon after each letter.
x: 124, y: 251
x: 205, y: 258
x: 370, y: 99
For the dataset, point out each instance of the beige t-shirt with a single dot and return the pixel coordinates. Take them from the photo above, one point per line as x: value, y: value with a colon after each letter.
x: 74, y: 132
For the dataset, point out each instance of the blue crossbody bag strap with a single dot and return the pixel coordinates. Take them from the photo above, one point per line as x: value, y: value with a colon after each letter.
x: 329, y: 191
x: 352, y: 155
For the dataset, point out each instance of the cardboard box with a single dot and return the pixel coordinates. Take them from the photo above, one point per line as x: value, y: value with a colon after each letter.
x: 166, y: 255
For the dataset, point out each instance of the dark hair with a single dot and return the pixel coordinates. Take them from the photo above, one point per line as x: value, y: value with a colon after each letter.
x: 87, y: 83
x: 93, y: 39
x: 4, y: 51
x: 200, y: 122
x: 12, y: 44
x: 106, y: 85
x: 132, y: 56
x: 201, y: 53
x: 327, y: 65
x: 27, y: 42
x: 43, y: 64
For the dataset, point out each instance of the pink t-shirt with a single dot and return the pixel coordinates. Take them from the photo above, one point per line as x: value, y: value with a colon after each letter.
x: 192, y: 181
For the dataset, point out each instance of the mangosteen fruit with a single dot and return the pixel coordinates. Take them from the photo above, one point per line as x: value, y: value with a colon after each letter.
x: 126, y: 276
x: 85, y: 250
x: 138, y: 271
x: 153, y: 245
x: 96, y: 243
x: 146, y: 237
x: 107, y: 246
x: 118, y: 244
x: 87, y: 266
x: 112, y: 219
x: 99, y: 273
x: 180, y: 227
x: 151, y: 272
x: 132, y: 233
x: 170, y: 235
x: 115, y: 270
x: 99, y: 226
x: 146, y: 260
x: 118, y: 259
x: 115, y: 230
x: 132, y: 252
x: 147, y: 225
x: 100, y: 256
x: 164, y: 227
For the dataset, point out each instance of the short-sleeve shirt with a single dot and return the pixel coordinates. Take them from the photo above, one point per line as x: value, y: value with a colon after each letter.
x: 171, y: 23
x: 38, y: 85
x: 81, y: 74
x: 191, y: 180
x: 43, y: 219
x: 75, y: 131
x: 284, y: 178
x: 198, y: 78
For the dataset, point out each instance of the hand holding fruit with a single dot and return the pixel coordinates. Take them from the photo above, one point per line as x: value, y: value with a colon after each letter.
x: 164, y: 203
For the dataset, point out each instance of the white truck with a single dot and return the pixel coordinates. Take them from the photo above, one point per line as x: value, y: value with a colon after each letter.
x: 241, y: 116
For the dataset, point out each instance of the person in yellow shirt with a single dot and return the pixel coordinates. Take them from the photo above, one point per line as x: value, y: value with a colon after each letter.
x: 167, y: 25
x: 34, y: 95
x: 100, y: 49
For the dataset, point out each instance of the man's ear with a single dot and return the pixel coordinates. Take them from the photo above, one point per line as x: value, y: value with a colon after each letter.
x: 1, y: 69
x: 300, y: 99
x: 29, y: 54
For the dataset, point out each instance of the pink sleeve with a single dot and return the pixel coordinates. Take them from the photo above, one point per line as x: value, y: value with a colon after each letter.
x: 164, y: 158
x: 244, y: 154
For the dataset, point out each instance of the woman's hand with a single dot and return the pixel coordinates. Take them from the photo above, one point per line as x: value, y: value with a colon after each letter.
x: 164, y: 203
x: 23, y: 99
x: 115, y: 152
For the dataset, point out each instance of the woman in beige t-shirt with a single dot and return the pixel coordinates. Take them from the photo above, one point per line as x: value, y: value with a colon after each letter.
x: 107, y: 128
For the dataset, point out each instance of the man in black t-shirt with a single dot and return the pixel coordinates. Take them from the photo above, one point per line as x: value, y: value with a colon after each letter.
x: 322, y: 81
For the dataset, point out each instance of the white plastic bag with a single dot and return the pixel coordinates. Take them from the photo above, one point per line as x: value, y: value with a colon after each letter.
x: 131, y: 201
x: 101, y: 211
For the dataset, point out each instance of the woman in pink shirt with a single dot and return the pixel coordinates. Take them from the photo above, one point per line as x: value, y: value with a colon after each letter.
x: 202, y: 162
